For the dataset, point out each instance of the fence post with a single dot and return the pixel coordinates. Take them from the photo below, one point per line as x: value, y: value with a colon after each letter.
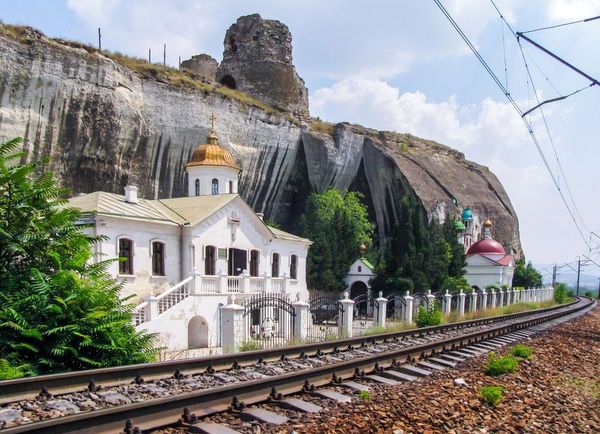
x: 483, y: 299
x: 408, y: 311
x: 232, y: 326
x: 501, y: 300
x: 461, y: 303
x: 347, y: 316
x: 430, y: 299
x: 493, y: 295
x: 381, y: 309
x: 448, y: 303
x: 301, y: 309
x: 151, y: 308
x: 473, y: 301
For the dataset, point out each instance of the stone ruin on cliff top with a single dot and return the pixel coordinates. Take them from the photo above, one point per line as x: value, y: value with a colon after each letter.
x: 257, y: 60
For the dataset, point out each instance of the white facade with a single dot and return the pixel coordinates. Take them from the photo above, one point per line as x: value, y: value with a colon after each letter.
x: 481, y: 271
x: 360, y: 271
x: 201, y: 183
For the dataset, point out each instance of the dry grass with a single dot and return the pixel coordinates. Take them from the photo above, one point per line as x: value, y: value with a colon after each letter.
x: 316, y: 124
x: 504, y: 310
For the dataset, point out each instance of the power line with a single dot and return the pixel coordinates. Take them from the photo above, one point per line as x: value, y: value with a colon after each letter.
x: 513, y: 103
x: 563, y: 24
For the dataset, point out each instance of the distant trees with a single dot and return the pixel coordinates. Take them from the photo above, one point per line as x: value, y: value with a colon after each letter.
x: 58, y: 310
x: 420, y: 254
x: 526, y: 275
x: 337, y: 223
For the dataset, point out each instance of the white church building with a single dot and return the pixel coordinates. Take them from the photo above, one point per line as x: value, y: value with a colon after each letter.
x: 184, y: 258
x: 488, y: 263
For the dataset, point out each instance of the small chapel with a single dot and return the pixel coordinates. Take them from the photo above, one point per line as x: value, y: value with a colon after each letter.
x: 184, y: 258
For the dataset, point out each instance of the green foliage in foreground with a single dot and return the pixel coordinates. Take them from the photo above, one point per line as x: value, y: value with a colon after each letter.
x: 492, y: 394
x: 561, y: 293
x: 499, y: 365
x: 364, y: 395
x: 58, y: 310
x: 251, y: 345
x: 522, y: 351
x: 428, y: 317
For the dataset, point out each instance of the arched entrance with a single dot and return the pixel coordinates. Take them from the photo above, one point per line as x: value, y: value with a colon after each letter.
x: 228, y: 81
x: 358, y: 288
x: 197, y: 333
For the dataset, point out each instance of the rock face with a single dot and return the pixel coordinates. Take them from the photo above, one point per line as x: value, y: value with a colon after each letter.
x: 202, y: 66
x: 258, y: 60
x: 104, y: 126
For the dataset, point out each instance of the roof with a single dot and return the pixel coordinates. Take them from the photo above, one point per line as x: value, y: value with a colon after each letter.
x: 212, y: 154
x: 282, y: 235
x: 503, y: 261
x: 182, y: 210
x: 459, y: 225
x: 367, y: 263
x: 488, y: 246
x: 110, y: 204
x: 467, y: 214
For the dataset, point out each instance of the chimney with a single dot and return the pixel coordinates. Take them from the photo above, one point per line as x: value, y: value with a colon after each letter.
x: 260, y: 215
x: 131, y: 194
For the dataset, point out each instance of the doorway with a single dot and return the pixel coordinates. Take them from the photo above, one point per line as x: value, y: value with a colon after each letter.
x: 237, y: 262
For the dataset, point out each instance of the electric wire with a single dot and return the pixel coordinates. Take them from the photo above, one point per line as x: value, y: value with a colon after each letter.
x: 514, y: 104
x: 547, y: 128
x: 563, y: 24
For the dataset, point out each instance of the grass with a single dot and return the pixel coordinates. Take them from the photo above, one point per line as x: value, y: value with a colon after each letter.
x: 249, y: 346
x: 365, y: 395
x: 499, y: 365
x: 492, y: 394
x: 588, y: 386
x: 503, y: 310
x: 522, y: 352
x: 390, y: 327
x: 316, y: 124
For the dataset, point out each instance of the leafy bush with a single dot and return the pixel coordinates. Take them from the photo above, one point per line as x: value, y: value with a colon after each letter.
x: 8, y: 372
x: 522, y: 351
x: 492, y: 394
x: 589, y: 294
x: 428, y: 317
x: 560, y: 293
x: 58, y: 310
x: 496, y: 365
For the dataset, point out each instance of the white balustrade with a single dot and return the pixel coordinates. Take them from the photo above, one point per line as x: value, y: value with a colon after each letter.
x: 171, y: 297
x: 139, y: 314
x: 257, y: 284
x: 234, y: 284
x: 277, y: 284
x: 209, y: 285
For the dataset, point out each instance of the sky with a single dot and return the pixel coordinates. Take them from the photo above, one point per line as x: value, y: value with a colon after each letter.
x: 399, y: 65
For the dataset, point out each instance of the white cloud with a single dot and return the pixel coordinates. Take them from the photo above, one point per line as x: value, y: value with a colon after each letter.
x: 560, y: 10
x: 93, y: 11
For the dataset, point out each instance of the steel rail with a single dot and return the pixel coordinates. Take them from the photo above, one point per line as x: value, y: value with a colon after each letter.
x: 29, y: 387
x: 160, y: 412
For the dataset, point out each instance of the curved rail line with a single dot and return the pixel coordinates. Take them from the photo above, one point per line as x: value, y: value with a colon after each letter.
x: 30, y: 387
x: 159, y: 412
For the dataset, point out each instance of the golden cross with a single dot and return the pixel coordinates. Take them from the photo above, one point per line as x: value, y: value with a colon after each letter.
x: 212, y: 121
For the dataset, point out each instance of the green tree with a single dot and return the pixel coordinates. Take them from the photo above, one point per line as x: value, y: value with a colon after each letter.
x: 457, y: 263
x: 59, y: 311
x: 338, y: 224
x: 525, y: 275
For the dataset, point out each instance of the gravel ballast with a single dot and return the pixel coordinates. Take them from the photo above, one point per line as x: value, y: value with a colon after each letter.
x: 556, y: 391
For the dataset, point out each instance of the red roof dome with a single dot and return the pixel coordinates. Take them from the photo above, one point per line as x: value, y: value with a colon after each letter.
x: 483, y: 247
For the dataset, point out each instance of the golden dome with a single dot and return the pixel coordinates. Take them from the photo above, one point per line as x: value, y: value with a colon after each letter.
x: 487, y: 223
x: 212, y: 154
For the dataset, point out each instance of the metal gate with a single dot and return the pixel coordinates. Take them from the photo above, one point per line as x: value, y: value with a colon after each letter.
x: 365, y: 307
x: 268, y: 320
x: 419, y: 300
x: 395, y: 307
x: 326, y: 316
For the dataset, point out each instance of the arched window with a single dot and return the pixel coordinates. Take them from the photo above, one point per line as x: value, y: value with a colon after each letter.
x: 254, y: 261
x: 158, y: 258
x: 215, y: 186
x: 275, y: 265
x: 293, y: 267
x: 359, y: 269
x: 197, y: 187
x: 126, y: 256
x: 230, y: 187
x: 210, y: 260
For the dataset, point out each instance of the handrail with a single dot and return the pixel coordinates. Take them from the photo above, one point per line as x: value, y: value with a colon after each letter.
x: 176, y: 287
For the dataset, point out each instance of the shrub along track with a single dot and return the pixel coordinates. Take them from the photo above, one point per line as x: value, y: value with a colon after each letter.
x: 163, y: 411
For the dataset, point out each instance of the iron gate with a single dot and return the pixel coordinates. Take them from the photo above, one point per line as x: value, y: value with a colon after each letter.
x: 395, y: 307
x: 365, y: 307
x: 326, y: 316
x: 268, y: 320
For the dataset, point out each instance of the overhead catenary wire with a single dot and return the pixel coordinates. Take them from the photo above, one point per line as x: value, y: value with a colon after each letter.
x: 515, y: 106
x: 563, y: 24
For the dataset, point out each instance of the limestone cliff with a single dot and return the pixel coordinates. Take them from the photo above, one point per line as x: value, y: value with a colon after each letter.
x: 104, y: 125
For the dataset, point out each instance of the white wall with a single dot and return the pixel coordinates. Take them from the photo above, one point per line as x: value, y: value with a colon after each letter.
x: 141, y: 283
x: 364, y: 275
x: 481, y: 272
x: 205, y: 175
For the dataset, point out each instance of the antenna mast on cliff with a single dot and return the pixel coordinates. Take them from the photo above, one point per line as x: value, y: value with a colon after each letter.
x: 99, y: 40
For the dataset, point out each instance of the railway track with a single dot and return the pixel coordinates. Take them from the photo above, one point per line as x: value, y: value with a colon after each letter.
x: 389, y: 356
